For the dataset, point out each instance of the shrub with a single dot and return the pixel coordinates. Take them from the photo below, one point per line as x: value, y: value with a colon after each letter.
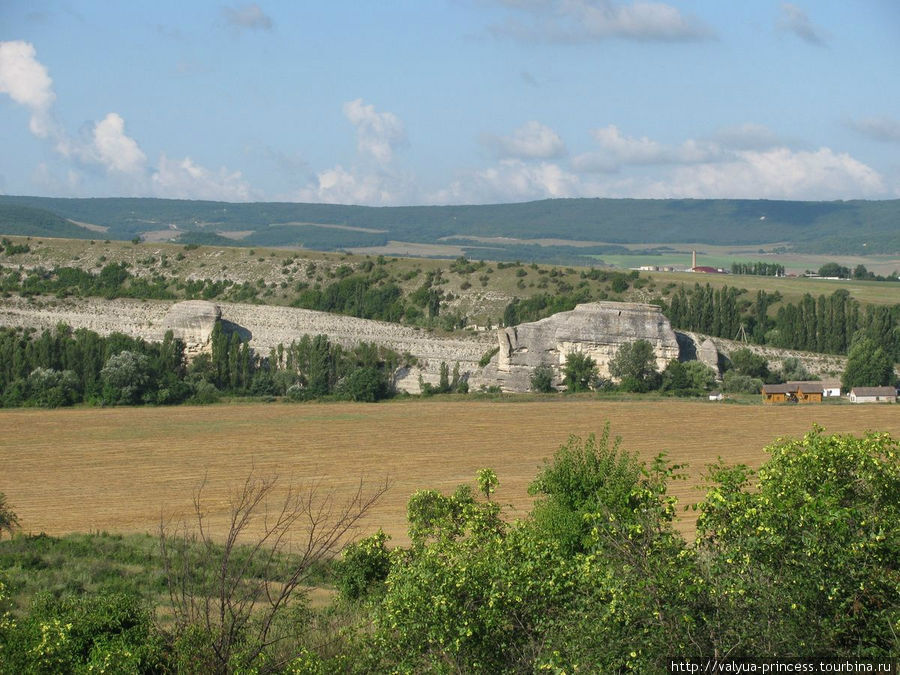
x: 363, y: 566
x: 579, y: 371
x: 542, y: 379
x: 735, y: 383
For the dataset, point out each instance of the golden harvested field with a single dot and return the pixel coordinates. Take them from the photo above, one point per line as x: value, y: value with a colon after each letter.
x: 120, y: 469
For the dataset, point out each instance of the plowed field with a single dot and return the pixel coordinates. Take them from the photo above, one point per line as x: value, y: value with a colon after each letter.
x: 122, y: 469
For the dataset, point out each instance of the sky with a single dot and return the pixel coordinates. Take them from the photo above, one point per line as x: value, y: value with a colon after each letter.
x: 450, y: 101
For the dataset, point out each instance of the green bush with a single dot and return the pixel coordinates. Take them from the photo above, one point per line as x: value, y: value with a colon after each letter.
x: 97, y: 633
x: 579, y: 372
x: 542, y: 379
x: 363, y: 566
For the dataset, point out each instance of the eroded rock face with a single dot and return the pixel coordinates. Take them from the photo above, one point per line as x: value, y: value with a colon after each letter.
x: 192, y: 322
x: 709, y: 354
x: 597, y: 329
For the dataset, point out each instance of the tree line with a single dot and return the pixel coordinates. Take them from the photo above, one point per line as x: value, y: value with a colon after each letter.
x: 758, y: 268
x: 826, y: 324
x: 63, y: 367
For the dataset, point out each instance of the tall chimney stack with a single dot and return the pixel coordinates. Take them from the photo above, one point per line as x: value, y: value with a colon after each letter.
x: 693, y: 259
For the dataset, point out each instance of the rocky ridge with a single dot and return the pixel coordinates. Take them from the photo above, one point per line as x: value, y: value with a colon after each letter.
x: 597, y: 329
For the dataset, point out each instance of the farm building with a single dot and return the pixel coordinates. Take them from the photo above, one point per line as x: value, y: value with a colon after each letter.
x: 716, y: 396
x: 873, y: 395
x: 793, y: 392
x: 831, y: 388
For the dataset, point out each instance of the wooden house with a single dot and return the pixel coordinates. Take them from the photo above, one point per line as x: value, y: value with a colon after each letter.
x: 793, y: 392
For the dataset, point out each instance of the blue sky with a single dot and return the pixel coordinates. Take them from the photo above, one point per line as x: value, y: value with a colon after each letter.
x: 450, y: 101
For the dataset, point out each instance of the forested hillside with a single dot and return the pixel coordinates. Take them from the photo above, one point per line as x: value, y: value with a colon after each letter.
x: 835, y: 227
x: 36, y: 222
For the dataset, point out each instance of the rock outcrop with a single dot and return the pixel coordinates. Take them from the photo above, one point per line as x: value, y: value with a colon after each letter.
x: 597, y: 329
x: 192, y: 322
x: 708, y: 354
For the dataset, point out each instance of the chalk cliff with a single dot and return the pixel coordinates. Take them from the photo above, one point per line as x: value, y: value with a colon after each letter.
x: 597, y: 329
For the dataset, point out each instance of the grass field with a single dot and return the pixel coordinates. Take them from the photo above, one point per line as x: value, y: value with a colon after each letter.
x: 82, y: 470
x: 723, y: 256
x: 792, y: 289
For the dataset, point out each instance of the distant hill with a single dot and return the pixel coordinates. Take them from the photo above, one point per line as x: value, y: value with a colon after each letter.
x: 864, y: 227
x: 37, y: 222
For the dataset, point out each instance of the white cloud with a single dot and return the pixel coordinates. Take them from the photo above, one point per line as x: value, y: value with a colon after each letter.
x: 532, y: 140
x: 779, y: 173
x: 341, y: 186
x: 377, y: 134
x: 250, y: 16
x: 570, y: 21
x: 510, y: 180
x: 617, y: 150
x: 878, y: 128
x: 114, y: 149
x: 794, y: 20
x: 183, y: 179
x: 27, y: 82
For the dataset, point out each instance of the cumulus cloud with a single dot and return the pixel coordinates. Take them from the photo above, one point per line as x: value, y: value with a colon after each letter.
x: 370, y: 180
x: 617, y: 150
x: 27, y: 82
x: 794, y: 20
x: 249, y: 16
x: 572, y: 21
x: 114, y: 149
x: 510, y: 180
x: 878, y: 128
x: 184, y: 179
x: 342, y: 186
x: 377, y: 134
x: 532, y: 140
x: 779, y: 173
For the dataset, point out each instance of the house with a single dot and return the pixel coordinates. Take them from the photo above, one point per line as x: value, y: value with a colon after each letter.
x: 793, y: 392
x: 831, y: 388
x: 873, y: 395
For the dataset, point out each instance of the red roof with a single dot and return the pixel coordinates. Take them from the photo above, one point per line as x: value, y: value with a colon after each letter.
x: 706, y: 270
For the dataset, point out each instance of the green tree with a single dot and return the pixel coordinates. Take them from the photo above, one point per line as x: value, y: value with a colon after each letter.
x: 365, y: 384
x: 83, y: 634
x: 803, y: 558
x: 635, y: 366
x: 747, y: 362
x: 792, y: 369
x: 363, y: 567
x: 579, y: 371
x: 675, y: 379
x: 833, y: 269
x: 444, y: 379
x: 125, y: 377
x: 736, y: 383
x: 487, y: 482
x: 542, y: 379
x: 868, y: 365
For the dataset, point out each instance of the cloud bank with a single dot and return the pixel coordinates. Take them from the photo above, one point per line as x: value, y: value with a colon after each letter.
x: 530, y: 162
x: 105, y: 145
x: 532, y: 140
